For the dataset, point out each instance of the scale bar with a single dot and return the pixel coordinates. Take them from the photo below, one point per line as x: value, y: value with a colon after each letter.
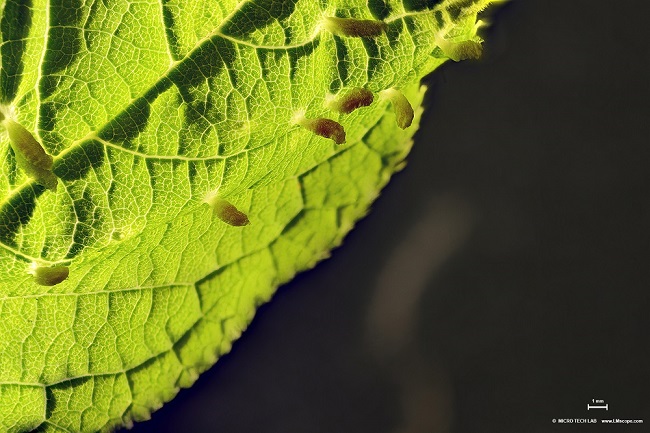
x: 606, y: 406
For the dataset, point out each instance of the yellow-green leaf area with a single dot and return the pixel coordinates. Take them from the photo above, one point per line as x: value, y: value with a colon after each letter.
x: 152, y: 112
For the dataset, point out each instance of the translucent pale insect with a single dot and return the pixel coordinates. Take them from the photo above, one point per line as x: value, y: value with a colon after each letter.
x: 30, y: 155
x: 402, y: 107
x: 458, y: 51
x: 49, y: 276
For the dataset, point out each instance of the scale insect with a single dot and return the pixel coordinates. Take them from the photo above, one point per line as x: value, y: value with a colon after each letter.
x: 30, y: 155
x: 326, y: 128
x: 227, y: 212
x: 354, y: 28
x: 401, y: 106
x: 458, y: 51
x: 346, y: 103
x: 49, y: 276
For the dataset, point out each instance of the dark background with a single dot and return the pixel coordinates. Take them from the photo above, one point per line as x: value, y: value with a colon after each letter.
x: 502, y: 278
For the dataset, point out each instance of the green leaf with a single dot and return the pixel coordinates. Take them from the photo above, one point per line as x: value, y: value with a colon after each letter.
x: 187, y: 190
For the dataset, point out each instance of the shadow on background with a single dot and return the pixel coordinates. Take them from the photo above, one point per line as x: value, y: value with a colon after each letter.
x: 525, y: 208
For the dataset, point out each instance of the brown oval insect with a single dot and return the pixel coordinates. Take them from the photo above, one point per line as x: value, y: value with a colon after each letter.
x: 326, y: 128
x: 227, y: 212
x: 355, y: 28
x: 354, y: 98
x: 49, y: 276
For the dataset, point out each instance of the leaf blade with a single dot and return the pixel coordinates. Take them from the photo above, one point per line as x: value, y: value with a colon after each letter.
x: 158, y: 287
